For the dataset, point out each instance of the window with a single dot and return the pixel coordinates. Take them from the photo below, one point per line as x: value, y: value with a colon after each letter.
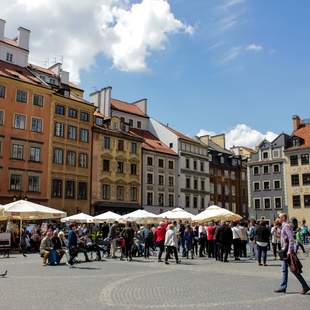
x: 266, y: 169
x: 58, y: 156
x: 149, y: 178
x: 187, y: 201
x: 171, y: 200
x: 130, y: 123
x: 73, y: 113
x: 21, y: 96
x: 307, y: 201
x: 160, y: 163
x: 33, y: 184
x: 202, y: 185
x: 106, y: 191
x: 306, y: 179
x: 120, y: 167
x: 304, y: 159
x: 160, y: 199
x: 83, y: 160
x: 160, y: 180
x: 72, y: 132
x: 133, y: 193
x: 195, y: 184
x: 294, y: 160
x: 266, y: 185
x: 171, y: 145
x: 195, y: 165
x: 35, y: 154
x: 120, y: 193
x: 106, y: 143
x: 276, y: 168
x: 133, y: 169
x: 17, y: 151
x: 226, y: 174
x: 2, y: 91
x: 277, y: 184
x: 233, y: 190
x: 120, y: 145
x: 9, y: 57
x: 276, y: 153
x: 256, y: 170
x: 106, y: 165
x: 267, y: 203
x: 20, y: 121
x: 99, y: 121
x: 133, y: 148
x: 188, y: 183
x: 36, y: 125
x: 171, y: 181
x: 170, y: 164
x: 278, y: 202
x: 195, y: 202
x: 84, y: 135
x: 138, y: 124
x: 149, y: 161
x: 84, y: 116
x: 202, y: 166
x: 56, y: 188
x: 59, y: 129
x: 60, y: 109
x: 296, y: 201
x: 265, y: 155
x: 295, y: 179
x: 70, y: 190
x: 222, y: 160
x: 187, y: 163
x: 82, y: 190
x: 202, y: 202
x: 1, y: 118
x: 16, y: 182
x: 38, y: 100
x: 149, y: 198
x: 257, y: 203
x: 71, y: 158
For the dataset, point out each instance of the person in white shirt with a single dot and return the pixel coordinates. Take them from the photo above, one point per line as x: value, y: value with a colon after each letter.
x: 171, y: 243
x: 236, y: 240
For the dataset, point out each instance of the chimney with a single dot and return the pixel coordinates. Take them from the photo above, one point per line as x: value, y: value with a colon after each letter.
x: 23, y: 38
x: 64, y: 77
x: 204, y: 139
x: 296, y: 122
x: 219, y: 140
x: 2, y: 28
x: 102, y: 100
x: 142, y: 105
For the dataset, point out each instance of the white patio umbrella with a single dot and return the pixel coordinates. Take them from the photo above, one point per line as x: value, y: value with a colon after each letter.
x: 27, y: 210
x: 215, y: 213
x: 108, y: 217
x: 78, y: 218
x: 177, y: 214
x: 140, y: 217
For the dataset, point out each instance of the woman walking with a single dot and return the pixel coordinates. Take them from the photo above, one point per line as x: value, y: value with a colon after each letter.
x: 171, y: 243
x: 262, y: 241
x: 276, y: 238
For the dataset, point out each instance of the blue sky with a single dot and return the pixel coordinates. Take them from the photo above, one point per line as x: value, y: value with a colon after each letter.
x: 198, y: 81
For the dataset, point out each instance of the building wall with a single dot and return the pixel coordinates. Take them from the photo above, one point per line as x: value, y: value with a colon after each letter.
x: 113, y: 178
x: 155, y: 188
x: 303, y: 211
x: 27, y: 138
x: 133, y: 117
x: 64, y: 172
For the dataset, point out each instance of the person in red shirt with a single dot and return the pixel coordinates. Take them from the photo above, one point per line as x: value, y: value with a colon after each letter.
x: 210, y: 232
x: 159, y: 238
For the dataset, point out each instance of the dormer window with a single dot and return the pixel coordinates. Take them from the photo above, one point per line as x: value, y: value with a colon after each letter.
x: 9, y: 57
x: 265, y: 155
x: 296, y: 142
x: 67, y: 93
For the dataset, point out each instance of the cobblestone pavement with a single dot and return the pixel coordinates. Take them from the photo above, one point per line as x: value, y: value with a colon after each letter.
x: 115, y: 285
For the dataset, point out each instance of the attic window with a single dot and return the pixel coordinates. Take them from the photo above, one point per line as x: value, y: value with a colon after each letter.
x: 171, y: 145
x: 9, y: 57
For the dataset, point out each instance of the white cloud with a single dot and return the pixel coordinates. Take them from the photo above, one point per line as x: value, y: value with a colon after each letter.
x: 254, y: 47
x: 242, y: 135
x: 80, y: 30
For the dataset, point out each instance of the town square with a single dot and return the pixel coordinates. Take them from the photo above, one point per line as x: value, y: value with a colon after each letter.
x: 154, y: 154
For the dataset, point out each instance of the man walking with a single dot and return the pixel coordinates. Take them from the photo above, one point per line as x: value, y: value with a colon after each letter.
x: 159, y: 238
x: 288, y: 247
x: 171, y: 243
x: 72, y: 244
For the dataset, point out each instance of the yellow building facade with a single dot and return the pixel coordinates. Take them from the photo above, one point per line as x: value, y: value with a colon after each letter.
x: 116, y: 172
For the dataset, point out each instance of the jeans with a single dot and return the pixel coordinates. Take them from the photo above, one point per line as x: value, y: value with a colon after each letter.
x: 171, y: 249
x: 284, y: 280
x: 262, y: 251
x: 147, y: 245
x: 211, y: 248
x: 128, y: 249
x: 237, y: 247
x: 276, y: 247
x: 243, y: 250
x: 189, y: 248
x: 161, y: 245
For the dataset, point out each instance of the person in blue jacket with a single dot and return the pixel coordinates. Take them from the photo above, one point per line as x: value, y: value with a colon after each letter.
x: 72, y: 244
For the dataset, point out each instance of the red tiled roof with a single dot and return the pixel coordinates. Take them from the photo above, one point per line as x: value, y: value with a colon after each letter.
x: 12, y: 42
x: 182, y: 136
x: 304, y: 133
x: 127, y: 107
x: 151, y: 142
x: 18, y: 73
